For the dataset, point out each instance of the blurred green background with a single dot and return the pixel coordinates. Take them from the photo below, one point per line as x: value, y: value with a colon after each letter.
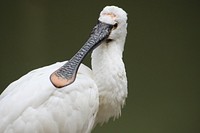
x: 161, y: 55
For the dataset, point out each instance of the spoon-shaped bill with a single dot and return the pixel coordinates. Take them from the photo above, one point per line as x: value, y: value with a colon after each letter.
x: 66, y: 74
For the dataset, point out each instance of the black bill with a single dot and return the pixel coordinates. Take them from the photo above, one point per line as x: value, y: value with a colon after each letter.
x: 67, y: 73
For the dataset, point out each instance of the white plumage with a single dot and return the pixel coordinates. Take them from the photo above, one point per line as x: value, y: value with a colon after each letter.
x: 32, y: 104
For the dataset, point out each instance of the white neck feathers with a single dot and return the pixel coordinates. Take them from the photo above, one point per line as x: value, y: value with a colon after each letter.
x: 110, y: 77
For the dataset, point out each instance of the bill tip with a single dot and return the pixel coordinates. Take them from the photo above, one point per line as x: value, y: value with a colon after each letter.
x: 60, y: 82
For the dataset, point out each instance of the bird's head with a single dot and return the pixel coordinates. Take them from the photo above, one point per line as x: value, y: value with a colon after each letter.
x: 118, y: 18
x: 111, y: 27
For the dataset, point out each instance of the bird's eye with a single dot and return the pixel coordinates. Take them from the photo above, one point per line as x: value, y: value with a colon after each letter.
x: 109, y: 40
x: 115, y: 26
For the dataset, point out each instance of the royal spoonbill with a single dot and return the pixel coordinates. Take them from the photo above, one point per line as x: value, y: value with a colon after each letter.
x: 68, y: 97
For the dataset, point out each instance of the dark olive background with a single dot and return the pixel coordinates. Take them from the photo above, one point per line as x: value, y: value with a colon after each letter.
x: 161, y: 55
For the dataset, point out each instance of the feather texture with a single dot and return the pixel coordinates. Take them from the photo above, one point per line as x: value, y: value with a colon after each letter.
x: 33, y: 105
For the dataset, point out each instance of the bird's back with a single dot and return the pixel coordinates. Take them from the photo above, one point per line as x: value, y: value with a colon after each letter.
x: 33, y: 105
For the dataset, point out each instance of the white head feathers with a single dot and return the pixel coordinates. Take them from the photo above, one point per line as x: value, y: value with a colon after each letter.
x: 113, y: 15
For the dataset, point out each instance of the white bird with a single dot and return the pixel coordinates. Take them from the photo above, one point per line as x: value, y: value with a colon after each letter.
x: 67, y: 97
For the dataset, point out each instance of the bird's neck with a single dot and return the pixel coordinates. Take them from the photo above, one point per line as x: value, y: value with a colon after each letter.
x: 110, y: 77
